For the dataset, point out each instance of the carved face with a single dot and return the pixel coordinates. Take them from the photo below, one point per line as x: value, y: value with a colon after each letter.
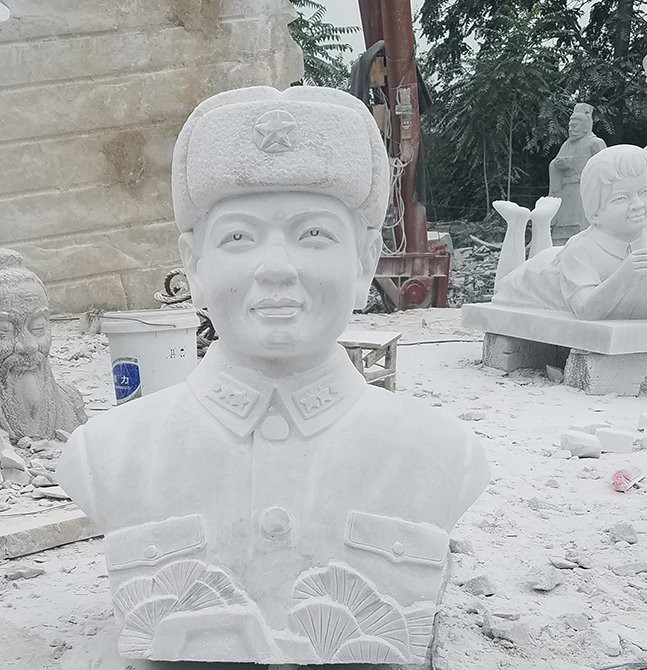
x: 578, y: 126
x: 25, y: 334
x: 279, y: 273
x: 624, y: 212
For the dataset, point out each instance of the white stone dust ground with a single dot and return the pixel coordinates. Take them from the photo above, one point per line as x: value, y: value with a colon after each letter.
x: 537, y: 507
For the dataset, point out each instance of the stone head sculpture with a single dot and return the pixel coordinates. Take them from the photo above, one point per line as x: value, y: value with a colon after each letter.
x: 581, y: 121
x: 275, y: 508
x: 31, y: 403
x: 621, y: 168
x: 280, y: 224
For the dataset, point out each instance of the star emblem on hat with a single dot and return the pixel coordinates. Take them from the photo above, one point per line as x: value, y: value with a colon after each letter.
x: 275, y: 132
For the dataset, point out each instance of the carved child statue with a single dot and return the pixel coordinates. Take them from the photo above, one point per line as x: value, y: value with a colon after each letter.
x: 32, y: 404
x: 601, y: 273
x: 275, y: 508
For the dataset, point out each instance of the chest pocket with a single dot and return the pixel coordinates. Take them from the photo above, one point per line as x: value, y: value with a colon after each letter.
x: 152, y: 543
x: 398, y: 540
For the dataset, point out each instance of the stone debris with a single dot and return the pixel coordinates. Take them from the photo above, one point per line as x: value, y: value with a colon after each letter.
x: 458, y: 546
x: 555, y: 375
x: 516, y: 632
x: 473, y: 415
x: 582, y: 561
x: 19, y: 477
x: 40, y: 445
x: 562, y: 563
x: 24, y: 442
x: 590, y: 428
x: 552, y: 483
x: 623, y: 532
x: 9, y: 459
x: 545, y: 579
x: 12, y: 574
x: 608, y: 641
x: 40, y: 481
x: 480, y: 586
x: 472, y: 278
x: 582, y: 445
x: 615, y: 441
x: 62, y: 435
x: 642, y: 421
x: 577, y: 621
x: 629, y: 569
x: 50, y: 492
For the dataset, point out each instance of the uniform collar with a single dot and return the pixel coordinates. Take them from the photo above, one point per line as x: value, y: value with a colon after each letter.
x: 614, y: 246
x: 310, y: 401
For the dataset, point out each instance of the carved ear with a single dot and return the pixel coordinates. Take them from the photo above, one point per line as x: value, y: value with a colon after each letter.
x: 190, y: 258
x: 369, y: 256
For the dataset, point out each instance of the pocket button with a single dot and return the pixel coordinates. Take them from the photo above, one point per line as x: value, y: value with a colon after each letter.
x: 397, y: 548
x: 151, y: 551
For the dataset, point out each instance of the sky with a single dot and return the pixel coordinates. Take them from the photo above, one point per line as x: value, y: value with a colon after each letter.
x: 346, y: 13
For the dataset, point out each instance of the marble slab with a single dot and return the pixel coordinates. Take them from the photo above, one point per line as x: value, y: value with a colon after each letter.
x: 603, y: 337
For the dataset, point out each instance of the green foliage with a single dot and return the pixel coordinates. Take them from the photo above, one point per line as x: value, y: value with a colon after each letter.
x: 507, y: 73
x: 322, y: 44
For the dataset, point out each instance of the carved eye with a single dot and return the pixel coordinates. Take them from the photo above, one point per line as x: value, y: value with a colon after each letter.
x: 317, y: 233
x: 236, y: 237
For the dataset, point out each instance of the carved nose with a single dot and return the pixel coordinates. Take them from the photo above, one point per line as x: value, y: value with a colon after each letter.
x: 26, y: 344
x: 276, y: 267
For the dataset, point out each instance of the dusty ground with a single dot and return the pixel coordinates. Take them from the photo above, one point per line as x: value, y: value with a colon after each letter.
x: 537, y: 507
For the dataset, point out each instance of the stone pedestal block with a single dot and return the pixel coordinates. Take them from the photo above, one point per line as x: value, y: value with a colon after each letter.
x: 511, y: 353
x: 599, y: 374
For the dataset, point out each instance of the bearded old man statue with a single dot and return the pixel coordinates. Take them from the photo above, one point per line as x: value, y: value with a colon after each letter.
x: 31, y: 402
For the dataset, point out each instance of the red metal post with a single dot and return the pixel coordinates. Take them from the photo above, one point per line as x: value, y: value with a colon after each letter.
x: 403, y: 97
x: 371, y: 13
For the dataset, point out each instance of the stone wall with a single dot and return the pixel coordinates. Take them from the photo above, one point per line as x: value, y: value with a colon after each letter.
x: 93, y: 94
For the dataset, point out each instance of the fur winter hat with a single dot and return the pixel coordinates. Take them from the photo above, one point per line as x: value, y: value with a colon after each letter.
x: 257, y: 139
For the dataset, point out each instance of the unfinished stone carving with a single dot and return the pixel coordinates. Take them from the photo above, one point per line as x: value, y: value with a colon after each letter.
x: 565, y: 170
x: 275, y: 508
x: 32, y: 404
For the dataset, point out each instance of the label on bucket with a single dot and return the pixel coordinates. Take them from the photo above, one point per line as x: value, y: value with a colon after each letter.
x: 125, y: 373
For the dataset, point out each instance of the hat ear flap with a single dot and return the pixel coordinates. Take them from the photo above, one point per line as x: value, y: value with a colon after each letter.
x: 190, y: 259
x: 367, y: 264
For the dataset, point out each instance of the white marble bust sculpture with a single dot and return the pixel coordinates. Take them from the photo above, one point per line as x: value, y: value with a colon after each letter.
x: 275, y: 508
x: 32, y: 403
x: 601, y: 273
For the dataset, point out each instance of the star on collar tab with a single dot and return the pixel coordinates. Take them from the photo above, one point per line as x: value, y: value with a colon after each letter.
x: 232, y: 395
x: 274, y: 132
x: 317, y: 397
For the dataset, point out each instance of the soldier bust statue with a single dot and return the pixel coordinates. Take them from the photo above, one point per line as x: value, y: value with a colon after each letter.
x: 275, y: 508
x: 32, y: 404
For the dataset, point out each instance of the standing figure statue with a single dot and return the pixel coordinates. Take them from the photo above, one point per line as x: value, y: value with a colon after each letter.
x: 565, y: 170
x: 32, y: 404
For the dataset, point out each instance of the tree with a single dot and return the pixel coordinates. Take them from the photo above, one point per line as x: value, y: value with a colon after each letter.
x: 520, y: 65
x: 322, y: 44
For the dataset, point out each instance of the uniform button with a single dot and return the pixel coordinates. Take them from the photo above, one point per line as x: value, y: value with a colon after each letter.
x: 274, y: 523
x: 275, y: 428
x: 151, y: 551
x: 397, y: 548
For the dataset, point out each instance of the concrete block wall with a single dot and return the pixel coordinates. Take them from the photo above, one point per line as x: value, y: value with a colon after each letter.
x: 92, y: 96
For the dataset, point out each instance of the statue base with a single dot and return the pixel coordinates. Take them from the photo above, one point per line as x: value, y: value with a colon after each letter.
x: 598, y: 357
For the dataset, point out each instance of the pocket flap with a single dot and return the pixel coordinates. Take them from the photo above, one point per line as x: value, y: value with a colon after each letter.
x: 396, y: 539
x: 153, y: 542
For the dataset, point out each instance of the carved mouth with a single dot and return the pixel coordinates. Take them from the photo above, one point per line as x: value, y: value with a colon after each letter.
x: 282, y: 308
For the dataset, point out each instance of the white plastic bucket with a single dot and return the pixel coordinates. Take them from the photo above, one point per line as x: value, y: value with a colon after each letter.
x: 150, y: 349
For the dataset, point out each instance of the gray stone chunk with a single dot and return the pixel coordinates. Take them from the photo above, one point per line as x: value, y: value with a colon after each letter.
x: 480, y: 586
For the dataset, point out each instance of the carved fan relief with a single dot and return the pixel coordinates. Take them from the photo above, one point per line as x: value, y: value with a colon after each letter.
x: 348, y: 621
x: 345, y: 619
x: 182, y: 586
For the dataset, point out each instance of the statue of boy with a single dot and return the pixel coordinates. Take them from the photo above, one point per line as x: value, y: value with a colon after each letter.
x: 275, y: 508
x: 32, y: 404
x: 565, y: 170
x: 601, y: 273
